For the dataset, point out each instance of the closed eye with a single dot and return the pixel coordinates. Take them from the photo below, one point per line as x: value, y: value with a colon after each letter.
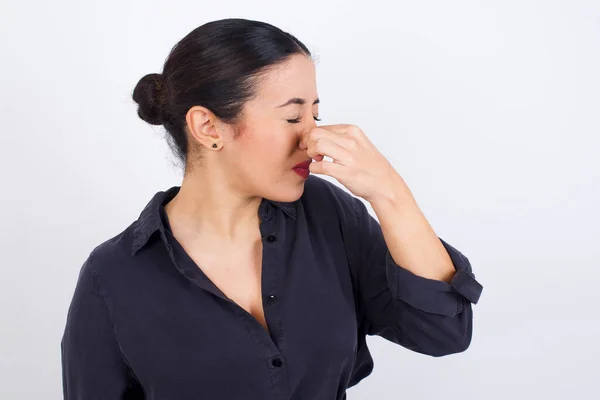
x: 296, y: 120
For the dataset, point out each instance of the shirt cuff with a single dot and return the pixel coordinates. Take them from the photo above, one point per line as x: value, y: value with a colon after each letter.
x: 434, y: 296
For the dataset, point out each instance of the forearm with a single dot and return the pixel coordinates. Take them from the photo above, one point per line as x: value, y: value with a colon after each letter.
x: 412, y: 242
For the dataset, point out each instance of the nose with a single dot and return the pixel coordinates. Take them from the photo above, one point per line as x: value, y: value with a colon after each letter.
x: 306, y: 128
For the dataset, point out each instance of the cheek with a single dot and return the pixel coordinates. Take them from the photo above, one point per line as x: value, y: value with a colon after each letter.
x: 272, y: 146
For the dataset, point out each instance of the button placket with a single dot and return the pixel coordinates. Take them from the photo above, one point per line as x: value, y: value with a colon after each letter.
x: 271, y: 244
x: 272, y: 236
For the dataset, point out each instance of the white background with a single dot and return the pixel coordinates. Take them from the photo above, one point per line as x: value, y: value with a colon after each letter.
x: 488, y: 109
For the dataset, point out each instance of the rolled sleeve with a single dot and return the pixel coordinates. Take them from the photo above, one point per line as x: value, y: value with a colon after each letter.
x: 433, y: 296
x: 424, y: 315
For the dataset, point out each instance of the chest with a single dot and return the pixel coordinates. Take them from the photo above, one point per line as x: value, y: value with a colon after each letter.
x: 238, y: 275
x: 297, y: 287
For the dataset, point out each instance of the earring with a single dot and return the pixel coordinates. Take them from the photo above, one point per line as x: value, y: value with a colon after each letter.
x: 214, y: 145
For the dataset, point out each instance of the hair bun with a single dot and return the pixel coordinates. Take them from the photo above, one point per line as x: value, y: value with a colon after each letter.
x: 148, y: 93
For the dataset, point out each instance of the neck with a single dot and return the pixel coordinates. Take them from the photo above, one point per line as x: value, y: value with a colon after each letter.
x: 208, y: 206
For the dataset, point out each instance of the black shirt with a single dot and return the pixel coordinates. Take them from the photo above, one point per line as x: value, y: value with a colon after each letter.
x: 146, y: 323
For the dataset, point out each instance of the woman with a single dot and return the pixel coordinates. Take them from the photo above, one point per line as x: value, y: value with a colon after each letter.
x: 254, y: 280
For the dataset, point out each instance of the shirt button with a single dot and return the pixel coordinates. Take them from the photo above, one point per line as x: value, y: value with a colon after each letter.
x: 272, y: 298
x: 271, y: 238
x: 276, y: 362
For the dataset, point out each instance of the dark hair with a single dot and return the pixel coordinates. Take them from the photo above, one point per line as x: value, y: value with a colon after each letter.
x: 214, y: 66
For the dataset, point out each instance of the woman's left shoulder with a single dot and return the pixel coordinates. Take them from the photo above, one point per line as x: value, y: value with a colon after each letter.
x: 328, y: 198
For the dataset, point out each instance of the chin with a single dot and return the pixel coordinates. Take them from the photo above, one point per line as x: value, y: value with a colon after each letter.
x: 287, y: 193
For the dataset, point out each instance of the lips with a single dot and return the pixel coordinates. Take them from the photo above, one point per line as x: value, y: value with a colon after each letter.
x: 302, y: 169
x: 303, y: 165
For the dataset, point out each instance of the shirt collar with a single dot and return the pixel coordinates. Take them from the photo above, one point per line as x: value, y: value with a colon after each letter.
x: 149, y: 220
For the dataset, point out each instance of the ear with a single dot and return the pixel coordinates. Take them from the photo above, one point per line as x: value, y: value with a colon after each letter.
x: 202, y: 126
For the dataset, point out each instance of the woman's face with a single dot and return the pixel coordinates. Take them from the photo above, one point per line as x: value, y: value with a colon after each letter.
x: 261, y: 158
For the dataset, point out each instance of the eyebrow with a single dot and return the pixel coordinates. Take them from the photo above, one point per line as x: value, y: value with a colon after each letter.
x: 297, y: 100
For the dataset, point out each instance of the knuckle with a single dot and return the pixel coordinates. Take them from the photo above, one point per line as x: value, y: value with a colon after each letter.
x: 318, y: 143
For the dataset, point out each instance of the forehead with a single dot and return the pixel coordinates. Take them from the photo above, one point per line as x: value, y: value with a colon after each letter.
x: 296, y: 77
